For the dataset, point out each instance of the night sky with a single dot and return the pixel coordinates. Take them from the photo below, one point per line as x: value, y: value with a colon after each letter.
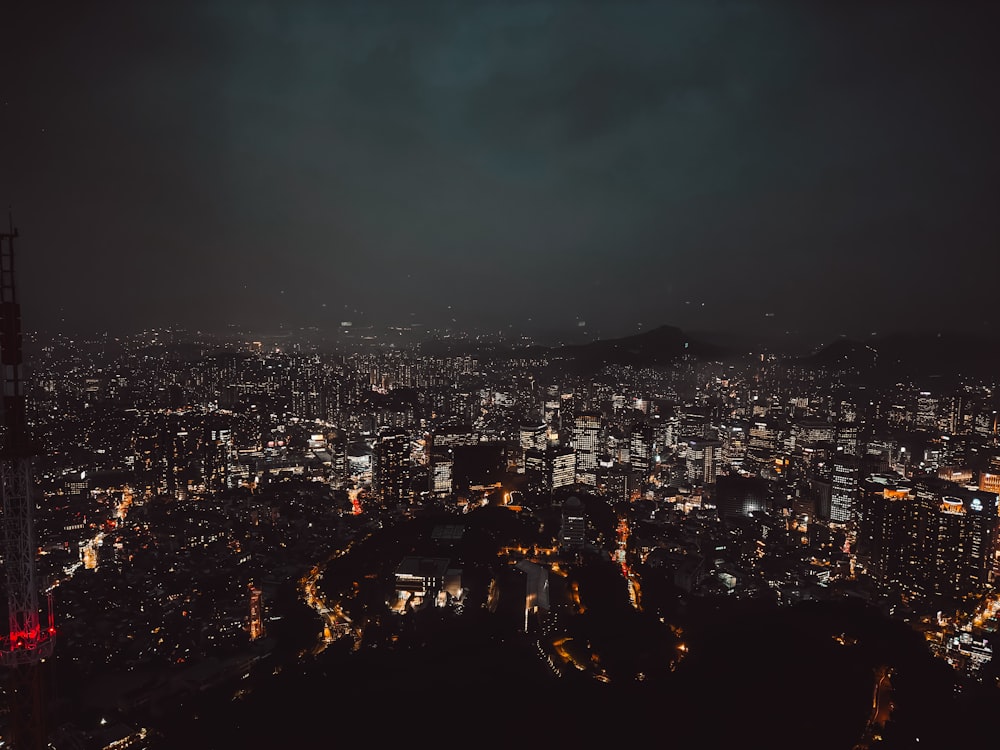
x: 822, y: 168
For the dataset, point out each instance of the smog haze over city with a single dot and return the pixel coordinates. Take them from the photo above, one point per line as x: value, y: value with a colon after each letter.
x: 565, y: 373
x: 772, y: 168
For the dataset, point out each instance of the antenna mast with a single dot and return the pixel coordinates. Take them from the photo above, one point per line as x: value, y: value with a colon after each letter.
x: 27, y: 644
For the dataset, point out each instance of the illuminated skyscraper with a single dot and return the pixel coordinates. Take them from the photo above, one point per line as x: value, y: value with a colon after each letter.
x: 848, y: 438
x: 549, y: 469
x: 563, y: 466
x: 703, y: 461
x: 989, y: 479
x: 844, y: 491
x: 391, y: 467
x: 928, y: 539
x: 586, y: 443
x: 531, y: 437
x: 441, y: 473
x: 640, y: 448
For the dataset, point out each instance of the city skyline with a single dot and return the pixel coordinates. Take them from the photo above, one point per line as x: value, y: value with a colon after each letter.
x: 399, y: 367
x: 756, y: 169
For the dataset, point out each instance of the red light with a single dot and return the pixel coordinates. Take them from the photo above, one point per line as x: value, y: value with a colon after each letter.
x: 52, y: 631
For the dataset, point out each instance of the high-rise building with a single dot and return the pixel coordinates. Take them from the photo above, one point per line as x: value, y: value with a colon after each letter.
x: 928, y: 539
x: 563, y: 466
x: 391, y: 467
x: 703, y: 460
x: 549, y: 469
x: 844, y: 490
x: 573, y: 524
x: 926, y: 412
x: 989, y: 479
x: 534, y: 471
x: 848, y: 438
x: 441, y: 473
x: 532, y: 436
x: 586, y: 443
x: 614, y: 480
x: 640, y: 448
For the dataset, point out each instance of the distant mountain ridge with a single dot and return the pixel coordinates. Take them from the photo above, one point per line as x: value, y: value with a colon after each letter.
x: 936, y: 355
x: 917, y: 354
x: 660, y: 346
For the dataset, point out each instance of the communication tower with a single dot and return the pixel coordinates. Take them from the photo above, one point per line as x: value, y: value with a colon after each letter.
x: 28, y: 643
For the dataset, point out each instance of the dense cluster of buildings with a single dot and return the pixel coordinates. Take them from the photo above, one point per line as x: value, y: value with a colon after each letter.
x: 179, y: 473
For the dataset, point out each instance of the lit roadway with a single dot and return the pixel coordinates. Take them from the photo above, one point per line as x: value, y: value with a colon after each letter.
x: 631, y: 581
x: 335, y: 620
x: 881, y: 708
x: 89, y: 551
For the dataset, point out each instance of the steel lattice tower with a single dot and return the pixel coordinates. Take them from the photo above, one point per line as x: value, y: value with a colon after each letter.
x: 27, y: 645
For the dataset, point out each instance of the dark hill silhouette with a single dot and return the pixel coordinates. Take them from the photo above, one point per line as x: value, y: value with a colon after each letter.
x: 918, y: 355
x: 655, y: 348
x: 843, y: 354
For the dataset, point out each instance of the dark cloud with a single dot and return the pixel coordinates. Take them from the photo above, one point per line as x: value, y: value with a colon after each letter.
x: 832, y: 163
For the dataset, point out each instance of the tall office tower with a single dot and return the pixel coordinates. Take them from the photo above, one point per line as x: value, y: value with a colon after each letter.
x: 534, y: 471
x: 306, y: 388
x: 734, y: 443
x: 441, y: 473
x: 959, y: 419
x: 573, y: 524
x: 848, y: 438
x: 930, y: 538
x: 561, y: 466
x: 821, y: 490
x: 926, y: 412
x: 24, y: 649
x: 891, y: 536
x: 640, y: 448
x: 614, y: 480
x: 963, y: 537
x: 307, y: 400
x: 694, y: 421
x: 666, y: 430
x: 763, y: 440
x: 549, y: 469
x: 989, y: 478
x: 703, y: 461
x: 531, y: 437
x: 340, y: 467
x: 218, y: 455
x: 586, y: 443
x: 391, y: 467
x: 845, y: 481
x: 183, y: 471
